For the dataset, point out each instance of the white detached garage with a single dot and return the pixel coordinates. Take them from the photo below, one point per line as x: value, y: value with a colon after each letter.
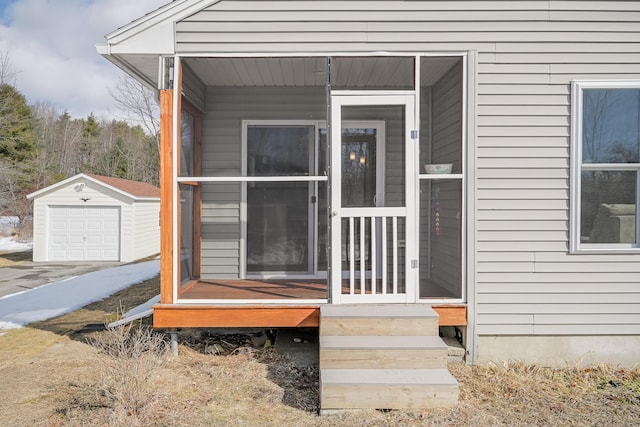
x: 95, y: 218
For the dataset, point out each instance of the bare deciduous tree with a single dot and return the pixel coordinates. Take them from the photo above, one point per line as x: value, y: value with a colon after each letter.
x: 7, y: 73
x: 139, y: 104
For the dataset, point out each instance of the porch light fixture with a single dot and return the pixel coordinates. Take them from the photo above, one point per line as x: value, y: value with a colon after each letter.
x: 352, y: 156
x: 362, y: 160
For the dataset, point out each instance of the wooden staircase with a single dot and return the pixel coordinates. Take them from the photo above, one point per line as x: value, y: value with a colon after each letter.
x: 383, y: 356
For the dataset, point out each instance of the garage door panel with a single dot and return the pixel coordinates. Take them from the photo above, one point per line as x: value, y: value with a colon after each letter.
x: 93, y: 226
x: 84, y: 233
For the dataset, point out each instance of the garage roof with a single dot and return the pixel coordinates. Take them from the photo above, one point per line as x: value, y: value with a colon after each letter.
x: 135, y: 188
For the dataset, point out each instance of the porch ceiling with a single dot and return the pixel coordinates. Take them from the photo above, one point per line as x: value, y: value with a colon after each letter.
x: 353, y: 72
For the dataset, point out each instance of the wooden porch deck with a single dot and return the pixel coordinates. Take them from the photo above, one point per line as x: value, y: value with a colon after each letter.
x: 256, y: 289
x: 289, y: 311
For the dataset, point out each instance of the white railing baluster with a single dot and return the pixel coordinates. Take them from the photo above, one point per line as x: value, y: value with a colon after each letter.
x: 362, y: 256
x: 383, y: 232
x: 384, y: 254
x: 352, y: 260
x: 395, y: 255
x: 374, y: 276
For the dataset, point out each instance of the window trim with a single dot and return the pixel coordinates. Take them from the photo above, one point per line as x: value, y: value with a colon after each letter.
x: 576, y: 168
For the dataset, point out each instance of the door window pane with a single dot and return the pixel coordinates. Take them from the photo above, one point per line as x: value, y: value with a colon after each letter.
x: 277, y: 226
x: 359, y: 167
x: 278, y: 213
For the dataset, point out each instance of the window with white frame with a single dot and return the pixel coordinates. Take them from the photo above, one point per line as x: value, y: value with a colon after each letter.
x: 605, y: 166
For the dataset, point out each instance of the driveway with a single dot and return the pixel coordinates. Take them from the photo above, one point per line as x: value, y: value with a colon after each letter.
x: 66, y: 295
x: 28, y: 275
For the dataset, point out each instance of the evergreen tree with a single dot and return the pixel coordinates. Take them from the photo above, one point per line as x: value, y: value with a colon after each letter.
x: 17, y: 126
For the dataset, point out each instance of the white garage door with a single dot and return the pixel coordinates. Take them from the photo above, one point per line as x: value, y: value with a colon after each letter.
x: 83, y: 233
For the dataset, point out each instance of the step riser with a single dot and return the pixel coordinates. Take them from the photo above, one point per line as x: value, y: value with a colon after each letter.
x: 382, y: 396
x: 361, y: 326
x: 383, y: 359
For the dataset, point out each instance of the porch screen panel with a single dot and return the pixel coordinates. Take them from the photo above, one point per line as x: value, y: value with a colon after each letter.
x: 186, y: 233
x: 278, y: 212
x: 440, y: 238
x: 187, y: 144
x: 322, y: 238
x: 376, y: 72
x: 441, y: 207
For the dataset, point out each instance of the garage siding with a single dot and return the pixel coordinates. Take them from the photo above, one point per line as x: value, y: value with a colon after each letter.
x: 146, y: 231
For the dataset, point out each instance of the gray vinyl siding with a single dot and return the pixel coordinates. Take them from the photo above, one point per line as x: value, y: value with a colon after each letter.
x: 192, y: 88
x: 146, y: 229
x: 525, y: 281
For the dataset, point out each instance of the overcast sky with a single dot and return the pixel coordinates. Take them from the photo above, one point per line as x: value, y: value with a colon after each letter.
x: 51, y: 46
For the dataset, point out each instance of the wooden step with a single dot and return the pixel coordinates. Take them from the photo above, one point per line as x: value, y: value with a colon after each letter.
x: 387, y: 388
x: 378, y: 320
x: 376, y: 352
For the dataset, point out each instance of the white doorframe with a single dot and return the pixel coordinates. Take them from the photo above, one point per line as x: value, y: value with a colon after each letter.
x: 405, y: 99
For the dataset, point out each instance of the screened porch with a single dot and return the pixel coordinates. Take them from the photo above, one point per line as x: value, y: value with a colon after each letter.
x: 304, y: 179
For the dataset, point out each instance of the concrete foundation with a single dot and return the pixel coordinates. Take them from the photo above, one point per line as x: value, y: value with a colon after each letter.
x: 559, y: 351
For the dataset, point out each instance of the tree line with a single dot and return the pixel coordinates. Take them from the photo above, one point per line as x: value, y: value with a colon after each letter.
x: 40, y: 145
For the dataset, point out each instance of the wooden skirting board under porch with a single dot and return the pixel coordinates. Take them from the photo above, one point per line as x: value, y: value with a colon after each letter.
x: 266, y: 316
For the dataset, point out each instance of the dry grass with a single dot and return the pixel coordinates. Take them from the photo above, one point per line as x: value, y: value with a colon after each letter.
x: 10, y: 259
x: 50, y: 379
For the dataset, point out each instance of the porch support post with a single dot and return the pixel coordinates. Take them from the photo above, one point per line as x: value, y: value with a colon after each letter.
x: 166, y: 196
x: 174, y: 342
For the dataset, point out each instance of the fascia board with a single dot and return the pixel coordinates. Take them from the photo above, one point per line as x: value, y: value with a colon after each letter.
x: 77, y: 178
x: 54, y: 186
x: 160, y: 38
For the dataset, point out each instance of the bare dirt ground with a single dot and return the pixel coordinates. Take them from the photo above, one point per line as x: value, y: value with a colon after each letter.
x: 61, y: 373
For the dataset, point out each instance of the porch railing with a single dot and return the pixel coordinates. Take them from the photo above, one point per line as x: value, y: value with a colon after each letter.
x: 373, y: 250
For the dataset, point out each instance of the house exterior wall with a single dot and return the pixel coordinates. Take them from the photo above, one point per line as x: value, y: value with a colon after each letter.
x: 146, y: 229
x: 524, y: 281
x: 139, y: 231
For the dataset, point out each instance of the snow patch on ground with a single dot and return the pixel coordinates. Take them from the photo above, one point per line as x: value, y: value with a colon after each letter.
x: 8, y: 244
x: 58, y: 298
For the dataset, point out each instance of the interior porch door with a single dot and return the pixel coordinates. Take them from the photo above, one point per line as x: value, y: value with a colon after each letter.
x: 372, y: 228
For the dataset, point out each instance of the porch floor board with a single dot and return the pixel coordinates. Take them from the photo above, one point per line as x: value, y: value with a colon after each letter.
x: 257, y: 289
